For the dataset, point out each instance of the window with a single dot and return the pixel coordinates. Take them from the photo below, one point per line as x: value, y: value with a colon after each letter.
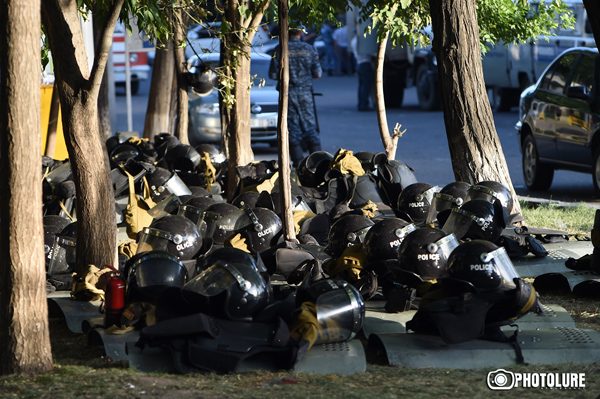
x: 556, y: 77
x: 584, y: 72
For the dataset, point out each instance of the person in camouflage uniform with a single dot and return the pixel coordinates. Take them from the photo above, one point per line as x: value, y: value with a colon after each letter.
x: 304, y: 66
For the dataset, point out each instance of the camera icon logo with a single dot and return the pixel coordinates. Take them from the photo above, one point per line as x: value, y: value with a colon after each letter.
x: 500, y: 380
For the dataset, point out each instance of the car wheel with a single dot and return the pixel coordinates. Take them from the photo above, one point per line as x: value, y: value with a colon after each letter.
x: 427, y: 92
x: 537, y: 175
x: 596, y: 170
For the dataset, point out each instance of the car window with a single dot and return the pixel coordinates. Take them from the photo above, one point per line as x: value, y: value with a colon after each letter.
x: 556, y: 77
x: 584, y: 72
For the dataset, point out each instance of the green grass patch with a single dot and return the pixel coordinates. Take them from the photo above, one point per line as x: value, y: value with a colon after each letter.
x: 575, y: 220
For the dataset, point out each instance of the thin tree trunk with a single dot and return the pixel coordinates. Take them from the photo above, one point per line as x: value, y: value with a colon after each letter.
x: 78, y: 88
x: 52, y: 124
x: 103, y: 94
x: 24, y: 335
x: 181, y: 129
x: 475, y: 148
x: 159, y: 101
x: 390, y: 143
x: 592, y: 7
x: 285, y: 184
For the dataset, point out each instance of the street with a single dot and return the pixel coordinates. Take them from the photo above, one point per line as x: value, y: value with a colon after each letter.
x: 424, y: 146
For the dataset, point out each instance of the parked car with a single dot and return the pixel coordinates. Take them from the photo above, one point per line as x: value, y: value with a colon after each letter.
x: 559, y: 119
x: 139, y: 62
x: 204, y: 115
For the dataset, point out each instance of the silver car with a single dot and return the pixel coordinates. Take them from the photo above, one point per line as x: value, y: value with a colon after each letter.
x: 204, y: 115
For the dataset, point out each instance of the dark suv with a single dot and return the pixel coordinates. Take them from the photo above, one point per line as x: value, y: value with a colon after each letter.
x: 559, y: 119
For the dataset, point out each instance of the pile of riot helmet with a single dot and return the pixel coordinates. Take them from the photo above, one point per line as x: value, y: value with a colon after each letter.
x: 216, y: 284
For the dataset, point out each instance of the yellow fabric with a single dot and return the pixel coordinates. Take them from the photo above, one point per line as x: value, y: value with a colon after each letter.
x: 239, y: 242
x: 128, y: 248
x: 210, y: 172
x: 136, y: 140
x: 530, y: 302
x: 300, y: 217
x: 87, y: 288
x: 369, y: 209
x: 347, y: 163
x: 136, y: 214
x: 306, y: 325
x: 65, y: 210
x: 115, y: 330
x: 268, y: 184
x: 349, y: 264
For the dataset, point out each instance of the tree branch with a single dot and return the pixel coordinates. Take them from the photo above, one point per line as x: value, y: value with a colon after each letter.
x: 103, y: 48
x: 257, y: 14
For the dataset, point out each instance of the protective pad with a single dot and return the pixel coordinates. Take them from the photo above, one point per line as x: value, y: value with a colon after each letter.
x: 377, y: 321
x: 74, y: 312
x: 583, y: 283
x: 550, y: 346
x: 341, y: 358
x: 114, y: 344
x: 558, y: 253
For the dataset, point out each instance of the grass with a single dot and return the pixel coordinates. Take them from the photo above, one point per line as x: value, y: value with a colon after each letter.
x: 82, y: 371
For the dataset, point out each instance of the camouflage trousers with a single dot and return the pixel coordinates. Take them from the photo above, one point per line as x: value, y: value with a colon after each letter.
x: 302, y: 124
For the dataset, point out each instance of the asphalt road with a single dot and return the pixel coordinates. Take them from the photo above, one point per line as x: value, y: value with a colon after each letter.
x: 424, y: 146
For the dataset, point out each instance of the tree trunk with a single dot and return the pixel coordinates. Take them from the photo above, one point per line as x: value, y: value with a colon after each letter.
x: 103, y: 94
x: 181, y: 129
x: 475, y: 149
x: 78, y: 89
x: 390, y: 143
x: 282, y: 128
x: 24, y: 336
x: 592, y: 7
x: 159, y: 101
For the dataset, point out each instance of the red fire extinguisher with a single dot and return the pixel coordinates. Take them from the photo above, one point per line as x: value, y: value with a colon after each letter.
x: 114, y: 299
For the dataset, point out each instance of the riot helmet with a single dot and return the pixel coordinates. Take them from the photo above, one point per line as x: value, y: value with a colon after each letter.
x: 384, y: 238
x: 365, y: 190
x: 150, y: 273
x: 477, y: 219
x: 414, y: 202
x: 425, y: 252
x: 182, y: 157
x: 164, y: 141
x: 490, y: 191
x: 220, y: 221
x: 54, y: 252
x: 340, y: 309
x: 394, y: 176
x: 163, y: 182
x: 174, y: 234
x: 246, y: 199
x: 235, y: 289
x: 216, y: 156
x: 122, y: 153
x: 261, y: 227
x: 348, y: 230
x: 451, y: 196
x: 313, y: 168
x: 193, y: 208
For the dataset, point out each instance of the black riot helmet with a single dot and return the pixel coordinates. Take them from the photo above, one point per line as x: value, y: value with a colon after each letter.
x: 313, y: 168
x: 220, y: 221
x: 384, y: 238
x: 414, y: 202
x: 182, y: 157
x: 477, y: 219
x: 122, y: 153
x: 483, y: 264
x: 365, y: 190
x: 490, y: 191
x: 274, y: 201
x: 340, y: 309
x: 174, y: 234
x: 163, y: 183
x: 425, y: 252
x: 193, y: 208
x: 261, y: 227
x: 148, y: 274
x: 67, y: 239
x: 246, y: 199
x: 233, y: 284
x: 164, y: 141
x: 216, y: 156
x: 366, y: 160
x: 348, y: 230
x: 451, y: 196
x: 394, y: 176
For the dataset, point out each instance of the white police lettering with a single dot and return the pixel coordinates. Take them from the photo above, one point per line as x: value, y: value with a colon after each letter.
x: 184, y: 245
x: 428, y: 257
x: 395, y: 243
x: 265, y: 232
x: 416, y: 204
x: 481, y: 267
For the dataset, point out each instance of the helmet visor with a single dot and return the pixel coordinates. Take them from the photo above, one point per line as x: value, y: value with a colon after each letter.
x: 481, y: 193
x: 504, y: 266
x: 446, y: 245
x: 340, y: 314
x: 220, y: 277
x: 157, y: 240
x: 441, y: 202
x: 176, y: 186
x: 459, y: 222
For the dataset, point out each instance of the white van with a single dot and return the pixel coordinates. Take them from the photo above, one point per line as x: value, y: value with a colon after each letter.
x: 509, y: 69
